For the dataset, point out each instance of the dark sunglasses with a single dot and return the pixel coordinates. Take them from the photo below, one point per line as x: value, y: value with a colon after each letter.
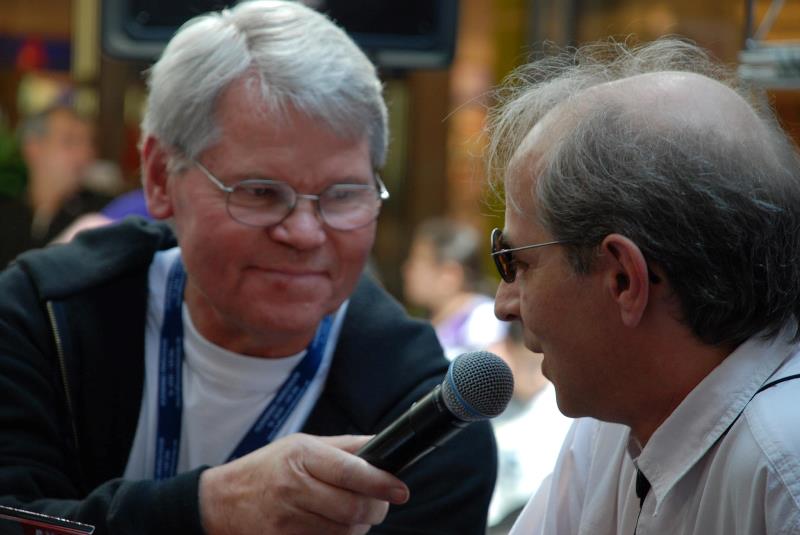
x: 506, y: 265
x: 504, y: 257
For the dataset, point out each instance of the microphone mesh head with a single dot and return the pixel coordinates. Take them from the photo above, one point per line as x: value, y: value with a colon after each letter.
x: 477, y: 386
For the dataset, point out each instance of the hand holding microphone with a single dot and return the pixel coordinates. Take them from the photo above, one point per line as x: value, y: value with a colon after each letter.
x: 314, y: 485
x: 301, y: 484
x: 478, y: 386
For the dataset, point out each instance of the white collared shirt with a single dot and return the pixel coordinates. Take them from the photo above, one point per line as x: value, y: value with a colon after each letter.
x: 745, y: 482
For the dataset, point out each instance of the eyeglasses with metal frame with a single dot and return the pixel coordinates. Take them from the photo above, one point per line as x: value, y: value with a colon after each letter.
x: 507, y: 267
x: 504, y: 257
x: 258, y: 202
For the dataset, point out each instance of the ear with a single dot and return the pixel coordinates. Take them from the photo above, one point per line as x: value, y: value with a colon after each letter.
x: 626, y: 277
x: 155, y: 179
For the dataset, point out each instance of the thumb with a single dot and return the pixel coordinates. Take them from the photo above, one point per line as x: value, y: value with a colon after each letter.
x: 348, y: 443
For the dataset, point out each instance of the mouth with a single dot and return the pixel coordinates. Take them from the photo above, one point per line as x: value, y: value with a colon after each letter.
x: 295, y: 274
x: 292, y: 274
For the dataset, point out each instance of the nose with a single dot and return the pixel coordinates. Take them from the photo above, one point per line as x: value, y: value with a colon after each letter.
x: 506, y: 302
x: 303, y: 228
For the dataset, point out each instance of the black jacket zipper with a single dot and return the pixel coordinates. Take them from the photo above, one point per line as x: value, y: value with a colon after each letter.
x: 63, y: 369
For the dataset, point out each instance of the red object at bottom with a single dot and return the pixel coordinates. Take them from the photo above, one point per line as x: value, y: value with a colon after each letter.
x: 20, y: 522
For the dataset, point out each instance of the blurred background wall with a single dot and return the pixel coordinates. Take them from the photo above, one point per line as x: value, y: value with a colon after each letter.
x: 52, y: 49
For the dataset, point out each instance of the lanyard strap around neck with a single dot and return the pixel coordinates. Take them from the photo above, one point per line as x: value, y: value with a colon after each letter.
x: 170, y: 383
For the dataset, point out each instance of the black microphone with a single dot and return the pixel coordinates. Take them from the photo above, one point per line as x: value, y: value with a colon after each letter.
x: 477, y: 386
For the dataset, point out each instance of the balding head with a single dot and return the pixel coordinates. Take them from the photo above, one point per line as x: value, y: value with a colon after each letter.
x: 655, y: 144
x: 665, y: 103
x: 680, y: 101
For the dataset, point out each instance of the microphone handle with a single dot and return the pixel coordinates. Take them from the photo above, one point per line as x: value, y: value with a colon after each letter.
x: 427, y: 424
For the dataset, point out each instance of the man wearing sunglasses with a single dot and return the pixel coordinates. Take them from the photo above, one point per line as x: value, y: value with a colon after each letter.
x: 155, y: 379
x: 651, y: 252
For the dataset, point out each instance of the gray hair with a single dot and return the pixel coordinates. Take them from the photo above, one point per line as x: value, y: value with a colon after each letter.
x: 298, y: 60
x: 718, y: 212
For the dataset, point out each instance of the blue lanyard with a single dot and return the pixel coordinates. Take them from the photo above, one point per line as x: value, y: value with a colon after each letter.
x: 170, y: 393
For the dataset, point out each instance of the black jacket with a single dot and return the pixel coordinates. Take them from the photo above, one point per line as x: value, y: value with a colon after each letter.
x: 71, y: 376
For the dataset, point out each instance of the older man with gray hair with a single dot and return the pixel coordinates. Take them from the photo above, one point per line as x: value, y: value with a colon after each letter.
x: 155, y: 378
x: 651, y: 251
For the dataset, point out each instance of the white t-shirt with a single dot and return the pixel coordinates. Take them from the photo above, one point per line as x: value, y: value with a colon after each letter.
x: 223, y: 392
x: 746, y: 482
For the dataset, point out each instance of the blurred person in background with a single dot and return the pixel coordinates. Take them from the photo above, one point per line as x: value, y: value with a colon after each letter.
x: 529, y: 433
x: 444, y: 275
x: 57, y: 146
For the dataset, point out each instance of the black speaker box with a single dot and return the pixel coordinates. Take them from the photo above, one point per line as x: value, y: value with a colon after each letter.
x: 407, y: 34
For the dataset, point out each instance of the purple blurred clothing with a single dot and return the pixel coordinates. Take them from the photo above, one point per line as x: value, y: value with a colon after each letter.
x: 131, y: 203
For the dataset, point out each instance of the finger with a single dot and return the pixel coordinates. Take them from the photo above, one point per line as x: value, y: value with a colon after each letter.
x: 342, y: 506
x: 348, y: 443
x: 341, y: 469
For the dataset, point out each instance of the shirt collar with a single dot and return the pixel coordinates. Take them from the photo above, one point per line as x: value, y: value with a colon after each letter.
x: 709, y: 409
